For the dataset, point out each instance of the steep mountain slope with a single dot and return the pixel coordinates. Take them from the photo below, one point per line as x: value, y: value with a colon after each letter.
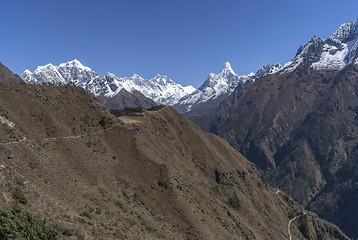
x: 151, y: 177
x: 6, y: 76
x: 160, y: 89
x: 300, y: 127
x: 125, y: 99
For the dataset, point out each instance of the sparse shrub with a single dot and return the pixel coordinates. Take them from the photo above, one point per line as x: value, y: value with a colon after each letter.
x: 98, y: 211
x: 32, y: 165
x: 156, y: 108
x: 86, y: 214
x: 234, y: 202
x: 125, y: 195
x: 19, y: 224
x: 19, y: 195
x: 128, y: 112
x: 103, y: 122
x: 102, y: 192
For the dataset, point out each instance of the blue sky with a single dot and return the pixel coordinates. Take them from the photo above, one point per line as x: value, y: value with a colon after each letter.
x: 184, y: 39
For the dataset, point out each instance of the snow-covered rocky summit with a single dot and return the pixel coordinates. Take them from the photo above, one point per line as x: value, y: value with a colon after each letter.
x: 332, y: 54
x: 72, y: 71
x: 161, y: 89
x: 224, y: 83
x: 48, y: 73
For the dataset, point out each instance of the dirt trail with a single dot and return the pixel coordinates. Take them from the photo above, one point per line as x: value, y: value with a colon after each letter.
x: 293, y: 219
x: 23, y: 139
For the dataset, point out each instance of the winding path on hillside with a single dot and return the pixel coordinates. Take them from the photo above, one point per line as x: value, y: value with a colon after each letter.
x: 23, y: 139
x: 293, y: 219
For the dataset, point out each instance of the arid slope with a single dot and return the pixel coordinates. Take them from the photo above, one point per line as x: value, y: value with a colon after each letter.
x: 153, y: 176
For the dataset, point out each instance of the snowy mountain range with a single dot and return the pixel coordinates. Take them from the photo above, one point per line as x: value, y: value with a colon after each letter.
x: 160, y: 89
x: 332, y: 54
x: 222, y: 84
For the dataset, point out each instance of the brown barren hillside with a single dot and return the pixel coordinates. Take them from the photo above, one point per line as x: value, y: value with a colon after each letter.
x: 6, y: 76
x: 155, y: 176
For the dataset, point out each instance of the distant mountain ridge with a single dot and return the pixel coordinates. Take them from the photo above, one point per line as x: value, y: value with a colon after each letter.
x: 160, y: 89
x: 221, y: 85
x: 213, y: 96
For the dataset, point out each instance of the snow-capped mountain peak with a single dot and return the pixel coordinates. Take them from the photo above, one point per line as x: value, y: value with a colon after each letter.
x: 48, y: 73
x: 110, y: 75
x: 346, y: 32
x: 223, y: 83
x: 74, y: 64
x: 27, y: 72
x: 47, y: 67
x: 161, y: 79
x: 216, y: 85
x: 332, y: 54
x: 227, y: 69
x: 268, y: 69
x: 136, y: 76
